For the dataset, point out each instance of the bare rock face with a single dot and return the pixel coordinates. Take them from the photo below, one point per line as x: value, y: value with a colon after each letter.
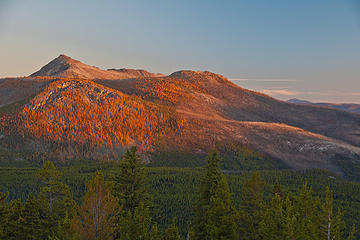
x: 66, y: 67
x: 56, y: 67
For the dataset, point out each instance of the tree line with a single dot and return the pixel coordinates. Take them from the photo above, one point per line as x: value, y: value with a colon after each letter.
x: 122, y: 209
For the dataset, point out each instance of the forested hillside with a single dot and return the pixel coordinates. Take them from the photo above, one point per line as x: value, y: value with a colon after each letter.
x: 69, y: 110
x: 171, y: 194
x: 87, y: 153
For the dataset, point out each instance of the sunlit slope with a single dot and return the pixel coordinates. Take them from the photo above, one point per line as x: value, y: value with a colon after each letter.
x: 83, y: 112
x: 188, y: 111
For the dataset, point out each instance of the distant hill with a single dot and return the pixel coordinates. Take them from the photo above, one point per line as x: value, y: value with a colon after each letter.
x: 78, y: 111
x: 349, y: 107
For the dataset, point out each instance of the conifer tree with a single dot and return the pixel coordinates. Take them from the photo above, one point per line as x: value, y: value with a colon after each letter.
x: 332, y: 225
x: 65, y: 230
x: 14, y: 228
x: 55, y: 198
x: 250, y: 207
x: 134, y: 222
x: 308, y: 215
x: 215, y: 218
x: 31, y: 224
x: 328, y: 218
x: 273, y: 220
x: 292, y: 228
x: 97, y: 215
x: 137, y: 225
x: 129, y: 183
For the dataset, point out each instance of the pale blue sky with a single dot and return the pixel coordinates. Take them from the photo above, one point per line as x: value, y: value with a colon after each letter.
x: 308, y: 49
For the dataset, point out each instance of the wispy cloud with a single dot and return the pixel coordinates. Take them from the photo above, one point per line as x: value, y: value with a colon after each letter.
x: 286, y: 92
x: 238, y: 79
x: 279, y: 92
x: 262, y: 79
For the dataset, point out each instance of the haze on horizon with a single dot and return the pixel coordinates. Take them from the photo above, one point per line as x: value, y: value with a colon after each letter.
x: 304, y: 49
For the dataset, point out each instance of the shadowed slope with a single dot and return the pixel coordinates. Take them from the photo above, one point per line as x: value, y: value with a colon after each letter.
x: 17, y: 89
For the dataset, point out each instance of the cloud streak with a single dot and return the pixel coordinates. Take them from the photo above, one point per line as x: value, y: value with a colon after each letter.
x: 286, y: 92
x: 283, y: 92
x: 262, y: 80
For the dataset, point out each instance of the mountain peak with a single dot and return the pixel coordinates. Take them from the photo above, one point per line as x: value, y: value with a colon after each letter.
x: 65, y: 67
x: 55, y: 68
x: 63, y: 57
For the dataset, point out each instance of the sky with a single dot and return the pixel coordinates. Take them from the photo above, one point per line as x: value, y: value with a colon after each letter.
x: 307, y: 49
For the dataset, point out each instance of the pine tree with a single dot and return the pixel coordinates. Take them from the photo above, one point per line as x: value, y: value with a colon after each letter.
x: 250, y: 207
x: 55, y: 198
x: 291, y: 227
x: 65, y: 230
x: 137, y: 225
x: 328, y: 218
x: 14, y: 228
x: 32, y: 227
x: 273, y: 223
x: 332, y: 225
x: 308, y: 219
x: 129, y: 183
x: 134, y: 222
x: 97, y: 215
x: 215, y: 218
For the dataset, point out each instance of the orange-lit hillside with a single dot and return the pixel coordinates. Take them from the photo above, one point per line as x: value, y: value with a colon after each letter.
x: 190, y: 111
x: 83, y: 112
x: 167, y: 89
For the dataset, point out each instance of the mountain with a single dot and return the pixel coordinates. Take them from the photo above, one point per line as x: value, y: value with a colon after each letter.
x: 349, y: 107
x: 66, y: 67
x: 186, y: 113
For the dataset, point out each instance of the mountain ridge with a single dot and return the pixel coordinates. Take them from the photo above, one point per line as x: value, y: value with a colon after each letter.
x: 349, y: 107
x: 66, y: 67
x: 188, y: 111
